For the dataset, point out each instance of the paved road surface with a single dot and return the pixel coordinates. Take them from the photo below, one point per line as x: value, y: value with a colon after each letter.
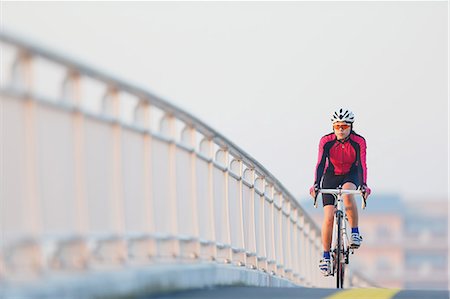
x: 303, y: 293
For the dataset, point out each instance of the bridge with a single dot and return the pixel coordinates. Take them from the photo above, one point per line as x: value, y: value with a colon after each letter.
x: 110, y: 191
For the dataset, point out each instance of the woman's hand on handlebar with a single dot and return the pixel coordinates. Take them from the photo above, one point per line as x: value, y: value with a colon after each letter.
x: 313, y: 191
x: 365, y: 191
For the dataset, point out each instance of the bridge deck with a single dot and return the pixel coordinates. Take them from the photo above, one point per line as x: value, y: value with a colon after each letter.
x: 304, y: 293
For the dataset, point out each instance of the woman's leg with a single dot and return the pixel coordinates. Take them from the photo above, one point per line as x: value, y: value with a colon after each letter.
x: 350, y: 205
x: 327, y: 227
x: 330, y: 181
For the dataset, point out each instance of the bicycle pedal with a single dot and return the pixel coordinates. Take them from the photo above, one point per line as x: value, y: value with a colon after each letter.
x: 354, y: 246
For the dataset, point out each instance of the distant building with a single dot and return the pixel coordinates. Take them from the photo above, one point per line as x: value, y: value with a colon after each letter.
x: 426, y: 245
x: 404, y: 243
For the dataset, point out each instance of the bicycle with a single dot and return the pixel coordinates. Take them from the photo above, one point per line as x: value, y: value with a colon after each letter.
x: 340, y: 242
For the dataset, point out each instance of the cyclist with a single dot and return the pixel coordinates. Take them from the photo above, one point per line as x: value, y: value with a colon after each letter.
x: 342, y: 161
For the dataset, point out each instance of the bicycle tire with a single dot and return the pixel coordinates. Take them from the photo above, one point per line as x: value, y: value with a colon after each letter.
x: 339, y: 268
x: 342, y: 268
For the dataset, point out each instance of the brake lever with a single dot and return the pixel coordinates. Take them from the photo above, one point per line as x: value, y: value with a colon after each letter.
x: 363, y: 195
x: 315, y: 198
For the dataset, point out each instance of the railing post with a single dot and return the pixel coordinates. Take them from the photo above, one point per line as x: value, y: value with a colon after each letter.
x: 235, y: 212
x: 302, y: 248
x: 287, y: 238
x: 249, y: 217
x: 73, y: 253
x: 317, y: 245
x: 142, y: 116
x: 208, y: 250
x: 312, y: 256
x: 269, y: 228
x: 24, y: 254
x: 168, y: 242
x: 259, y: 223
x: 112, y: 250
x: 143, y: 247
x: 278, y: 223
x: 221, y: 201
x: 299, y: 252
x: 307, y: 253
x: 292, y: 263
x: 72, y: 93
x: 187, y: 195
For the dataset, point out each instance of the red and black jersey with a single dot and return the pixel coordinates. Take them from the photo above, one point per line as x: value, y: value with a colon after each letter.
x: 341, y: 157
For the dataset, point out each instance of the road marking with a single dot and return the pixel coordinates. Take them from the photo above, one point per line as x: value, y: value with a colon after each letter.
x: 365, y: 293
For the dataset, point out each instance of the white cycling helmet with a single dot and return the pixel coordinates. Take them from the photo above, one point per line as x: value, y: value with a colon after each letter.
x: 344, y: 115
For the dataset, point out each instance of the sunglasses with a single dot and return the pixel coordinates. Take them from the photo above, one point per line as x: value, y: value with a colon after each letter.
x: 343, y: 127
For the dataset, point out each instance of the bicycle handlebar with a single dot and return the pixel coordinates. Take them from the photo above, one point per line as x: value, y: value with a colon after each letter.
x: 340, y: 192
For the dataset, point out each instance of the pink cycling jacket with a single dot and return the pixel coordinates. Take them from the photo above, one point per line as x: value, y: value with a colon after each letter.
x: 341, y: 157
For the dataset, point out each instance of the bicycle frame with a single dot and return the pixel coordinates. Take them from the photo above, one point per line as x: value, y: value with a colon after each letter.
x: 340, y: 241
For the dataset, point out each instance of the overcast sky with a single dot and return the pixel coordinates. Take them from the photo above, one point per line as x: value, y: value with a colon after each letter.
x: 268, y: 75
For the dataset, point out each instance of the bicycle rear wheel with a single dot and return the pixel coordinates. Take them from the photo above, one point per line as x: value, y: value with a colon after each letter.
x: 339, y: 253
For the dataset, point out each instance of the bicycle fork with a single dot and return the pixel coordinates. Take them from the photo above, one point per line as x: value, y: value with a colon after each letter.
x: 334, y: 239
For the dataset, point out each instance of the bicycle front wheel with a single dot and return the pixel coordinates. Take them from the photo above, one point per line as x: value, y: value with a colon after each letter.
x: 339, y: 254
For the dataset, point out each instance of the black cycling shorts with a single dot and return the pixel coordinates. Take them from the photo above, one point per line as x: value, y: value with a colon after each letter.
x: 332, y: 181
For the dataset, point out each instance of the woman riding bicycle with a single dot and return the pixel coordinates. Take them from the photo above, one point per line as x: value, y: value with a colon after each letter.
x: 341, y: 162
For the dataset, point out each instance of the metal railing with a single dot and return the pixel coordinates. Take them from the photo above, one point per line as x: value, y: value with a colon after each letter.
x: 86, y: 189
